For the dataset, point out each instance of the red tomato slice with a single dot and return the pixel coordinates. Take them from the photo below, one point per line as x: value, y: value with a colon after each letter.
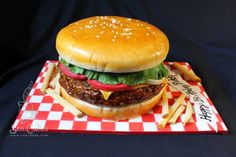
x: 107, y: 87
x: 72, y: 75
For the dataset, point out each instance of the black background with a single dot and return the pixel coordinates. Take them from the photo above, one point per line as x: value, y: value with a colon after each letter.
x: 200, y: 32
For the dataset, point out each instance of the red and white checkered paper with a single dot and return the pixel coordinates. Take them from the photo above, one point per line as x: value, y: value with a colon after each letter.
x: 41, y: 113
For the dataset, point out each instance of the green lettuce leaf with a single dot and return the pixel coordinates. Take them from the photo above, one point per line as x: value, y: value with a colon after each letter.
x: 134, y: 78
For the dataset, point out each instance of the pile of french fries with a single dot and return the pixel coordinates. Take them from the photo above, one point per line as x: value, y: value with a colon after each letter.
x: 170, y: 114
x: 51, y: 86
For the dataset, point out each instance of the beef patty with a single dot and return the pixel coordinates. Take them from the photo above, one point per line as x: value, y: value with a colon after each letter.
x: 82, y: 90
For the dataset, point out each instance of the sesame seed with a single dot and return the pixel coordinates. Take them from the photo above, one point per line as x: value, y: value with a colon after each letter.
x: 127, y: 29
x: 76, y: 23
x: 147, y: 34
x: 87, y: 26
x: 97, y: 36
x: 124, y: 34
x: 74, y: 31
x: 129, y: 19
x: 148, y: 27
x: 115, y: 36
x: 128, y: 37
x: 153, y: 33
x: 113, y: 40
x: 113, y: 20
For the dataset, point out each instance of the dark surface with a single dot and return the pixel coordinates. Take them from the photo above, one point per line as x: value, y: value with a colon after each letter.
x: 200, y: 32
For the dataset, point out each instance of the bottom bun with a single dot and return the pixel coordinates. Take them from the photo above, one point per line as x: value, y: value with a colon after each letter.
x: 114, y: 113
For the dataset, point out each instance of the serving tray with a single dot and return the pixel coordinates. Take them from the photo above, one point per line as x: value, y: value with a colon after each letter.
x: 41, y: 113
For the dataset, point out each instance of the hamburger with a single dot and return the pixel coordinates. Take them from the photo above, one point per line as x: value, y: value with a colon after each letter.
x: 111, y: 67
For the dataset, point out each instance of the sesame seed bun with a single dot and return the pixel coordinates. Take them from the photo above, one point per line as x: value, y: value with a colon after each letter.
x: 112, y: 44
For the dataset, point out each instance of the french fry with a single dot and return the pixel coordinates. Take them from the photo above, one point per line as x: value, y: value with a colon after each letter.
x: 191, y: 120
x: 165, y: 105
x: 54, y: 81
x: 188, y: 113
x: 173, y: 108
x: 189, y: 74
x: 64, y: 103
x: 47, y: 77
x: 176, y: 115
x: 57, y: 88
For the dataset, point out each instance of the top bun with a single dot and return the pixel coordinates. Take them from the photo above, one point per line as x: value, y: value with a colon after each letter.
x: 112, y: 44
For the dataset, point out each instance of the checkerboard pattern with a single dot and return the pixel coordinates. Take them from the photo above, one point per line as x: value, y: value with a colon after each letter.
x: 41, y: 113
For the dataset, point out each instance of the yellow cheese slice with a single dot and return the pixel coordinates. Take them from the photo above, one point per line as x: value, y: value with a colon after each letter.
x: 106, y: 94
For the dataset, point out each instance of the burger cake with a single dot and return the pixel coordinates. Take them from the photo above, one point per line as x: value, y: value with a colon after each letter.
x: 111, y: 67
